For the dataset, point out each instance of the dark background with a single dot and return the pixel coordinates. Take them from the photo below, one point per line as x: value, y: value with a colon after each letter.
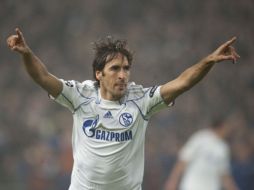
x: 167, y: 37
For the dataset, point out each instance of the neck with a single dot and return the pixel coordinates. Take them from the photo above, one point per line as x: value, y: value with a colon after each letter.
x: 108, y: 96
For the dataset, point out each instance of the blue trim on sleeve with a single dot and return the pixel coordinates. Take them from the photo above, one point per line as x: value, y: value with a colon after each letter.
x: 151, y: 109
x: 143, y: 116
x: 83, y: 103
x: 67, y: 99
x: 81, y: 93
x: 139, y: 97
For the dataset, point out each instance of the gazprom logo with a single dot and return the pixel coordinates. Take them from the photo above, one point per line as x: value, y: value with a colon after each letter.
x: 126, y: 119
x: 89, y: 126
x: 92, y: 131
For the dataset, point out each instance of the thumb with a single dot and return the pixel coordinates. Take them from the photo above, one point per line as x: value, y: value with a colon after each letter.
x: 226, y: 57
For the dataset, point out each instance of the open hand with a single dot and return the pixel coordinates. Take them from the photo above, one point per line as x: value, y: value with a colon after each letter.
x: 17, y: 42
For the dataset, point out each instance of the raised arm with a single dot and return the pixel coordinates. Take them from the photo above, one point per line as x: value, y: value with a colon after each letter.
x: 34, y: 66
x: 194, y: 74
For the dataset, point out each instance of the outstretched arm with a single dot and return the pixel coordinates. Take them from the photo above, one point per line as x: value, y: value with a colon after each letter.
x: 34, y: 66
x: 194, y: 74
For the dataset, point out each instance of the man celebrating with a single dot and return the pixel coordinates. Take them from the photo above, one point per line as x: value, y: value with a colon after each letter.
x: 111, y: 114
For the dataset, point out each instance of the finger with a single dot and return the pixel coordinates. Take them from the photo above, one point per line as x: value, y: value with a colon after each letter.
x: 238, y: 56
x: 11, y: 41
x: 226, y: 57
x: 234, y: 54
x: 232, y: 58
x: 8, y: 40
x: 231, y: 41
x: 19, y: 33
x: 227, y: 44
x: 14, y: 48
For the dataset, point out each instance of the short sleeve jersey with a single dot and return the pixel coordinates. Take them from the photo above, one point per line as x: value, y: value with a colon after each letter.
x: 207, y: 157
x: 108, y: 136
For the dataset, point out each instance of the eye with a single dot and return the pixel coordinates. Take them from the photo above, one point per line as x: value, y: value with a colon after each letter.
x: 114, y: 68
x: 126, y: 68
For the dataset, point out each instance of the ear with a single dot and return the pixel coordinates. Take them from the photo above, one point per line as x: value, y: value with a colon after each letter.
x: 98, y: 75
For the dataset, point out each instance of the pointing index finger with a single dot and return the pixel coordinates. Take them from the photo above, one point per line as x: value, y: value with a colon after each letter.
x: 231, y: 41
x: 226, y: 44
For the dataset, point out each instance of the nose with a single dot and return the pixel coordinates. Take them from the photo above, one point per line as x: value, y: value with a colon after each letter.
x: 122, y: 74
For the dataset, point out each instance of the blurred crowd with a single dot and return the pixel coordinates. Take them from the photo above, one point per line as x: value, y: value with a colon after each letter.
x: 166, y: 37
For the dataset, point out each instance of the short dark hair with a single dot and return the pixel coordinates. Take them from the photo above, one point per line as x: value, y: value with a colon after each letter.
x: 108, y: 49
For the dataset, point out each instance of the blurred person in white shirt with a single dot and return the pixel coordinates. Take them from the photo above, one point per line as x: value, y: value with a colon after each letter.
x: 204, y: 161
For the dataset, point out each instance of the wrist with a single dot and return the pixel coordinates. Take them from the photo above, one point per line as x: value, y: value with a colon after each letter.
x: 210, y: 59
x: 27, y: 52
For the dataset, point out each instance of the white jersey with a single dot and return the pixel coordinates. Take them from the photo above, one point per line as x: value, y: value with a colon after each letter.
x: 207, y: 158
x: 108, y: 136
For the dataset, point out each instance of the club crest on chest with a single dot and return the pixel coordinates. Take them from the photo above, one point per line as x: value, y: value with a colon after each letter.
x: 126, y: 119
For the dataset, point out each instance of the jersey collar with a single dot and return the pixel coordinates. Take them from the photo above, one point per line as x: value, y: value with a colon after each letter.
x: 108, y: 104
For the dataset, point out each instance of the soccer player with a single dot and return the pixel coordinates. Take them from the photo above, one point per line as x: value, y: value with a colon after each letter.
x: 110, y: 114
x: 204, y: 161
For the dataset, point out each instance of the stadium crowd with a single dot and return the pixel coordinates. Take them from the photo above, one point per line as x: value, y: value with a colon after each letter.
x: 167, y: 37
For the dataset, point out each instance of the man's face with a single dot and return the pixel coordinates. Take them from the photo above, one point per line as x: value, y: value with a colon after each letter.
x: 114, y: 78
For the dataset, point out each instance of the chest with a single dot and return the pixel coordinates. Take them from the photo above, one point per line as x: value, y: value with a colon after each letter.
x: 211, y: 157
x: 117, y: 117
